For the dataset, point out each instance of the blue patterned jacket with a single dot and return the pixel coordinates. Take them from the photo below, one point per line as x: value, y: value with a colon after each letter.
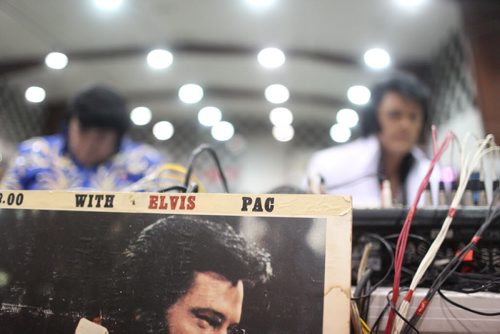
x: 43, y: 163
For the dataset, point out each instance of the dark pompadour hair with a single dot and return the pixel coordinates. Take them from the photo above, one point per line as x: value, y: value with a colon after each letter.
x: 403, y: 84
x: 159, y: 267
x: 100, y: 107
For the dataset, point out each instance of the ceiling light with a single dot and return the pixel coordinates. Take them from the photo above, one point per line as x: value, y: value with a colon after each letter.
x: 260, y: 3
x: 271, y: 58
x: 340, y: 133
x: 410, y: 3
x: 163, y: 130
x: 347, y: 117
x: 209, y: 116
x: 283, y: 133
x: 35, y: 94
x: 358, y: 95
x: 108, y: 4
x: 191, y: 93
x: 277, y: 93
x: 377, y: 58
x: 56, y: 60
x: 141, y: 116
x: 281, y: 116
x: 222, y: 131
x: 159, y: 59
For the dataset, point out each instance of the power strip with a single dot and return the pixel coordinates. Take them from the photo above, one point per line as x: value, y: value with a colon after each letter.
x: 441, y: 316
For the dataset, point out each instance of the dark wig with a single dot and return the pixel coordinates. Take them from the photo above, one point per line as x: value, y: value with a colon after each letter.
x: 100, y: 107
x: 405, y: 85
x: 159, y: 268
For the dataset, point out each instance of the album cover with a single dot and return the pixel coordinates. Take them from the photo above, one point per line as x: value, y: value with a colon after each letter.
x: 95, y: 262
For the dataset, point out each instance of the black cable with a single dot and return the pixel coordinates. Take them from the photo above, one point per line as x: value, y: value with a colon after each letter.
x: 411, y: 235
x: 483, y: 286
x: 394, y: 308
x: 200, y: 149
x: 487, y: 314
x: 181, y: 189
x: 366, y: 303
x: 364, y: 283
x: 455, y: 262
x: 353, y: 181
x: 374, y: 328
x: 389, y: 270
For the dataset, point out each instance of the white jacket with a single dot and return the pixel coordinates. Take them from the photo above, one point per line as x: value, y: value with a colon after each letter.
x: 352, y: 169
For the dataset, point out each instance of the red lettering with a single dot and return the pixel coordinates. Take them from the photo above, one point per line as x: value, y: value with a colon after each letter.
x: 191, y: 202
x: 153, y: 202
x: 163, y: 205
x: 173, y: 202
x: 183, y: 202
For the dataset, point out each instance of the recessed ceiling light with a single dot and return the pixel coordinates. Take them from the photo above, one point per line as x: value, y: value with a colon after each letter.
x: 163, y: 130
x: 260, y: 3
x: 377, y: 58
x: 340, y: 133
x: 271, y: 58
x: 277, y: 94
x: 281, y: 116
x: 283, y: 133
x: 347, y: 117
x: 159, y: 59
x: 358, y: 95
x: 191, y: 93
x: 410, y: 3
x: 56, y: 60
x: 108, y: 4
x: 222, y: 131
x: 35, y: 94
x: 141, y: 116
x: 209, y: 116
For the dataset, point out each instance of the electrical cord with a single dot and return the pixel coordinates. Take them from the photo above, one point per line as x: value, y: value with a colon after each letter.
x: 469, y: 162
x: 200, y: 149
x: 454, y: 303
x: 180, y: 189
x: 354, y: 181
x: 452, y: 266
x: 403, y: 238
x: 402, y: 317
x: 391, y: 253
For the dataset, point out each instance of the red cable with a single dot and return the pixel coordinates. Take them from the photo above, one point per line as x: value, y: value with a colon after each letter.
x: 405, y: 231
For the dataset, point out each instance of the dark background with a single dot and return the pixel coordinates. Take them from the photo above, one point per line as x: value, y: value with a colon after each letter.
x: 55, y: 267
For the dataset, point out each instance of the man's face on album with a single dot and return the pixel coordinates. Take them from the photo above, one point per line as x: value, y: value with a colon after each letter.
x: 211, y: 305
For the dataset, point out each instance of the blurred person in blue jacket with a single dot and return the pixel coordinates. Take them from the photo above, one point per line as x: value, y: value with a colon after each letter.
x: 92, y: 152
x: 394, y: 122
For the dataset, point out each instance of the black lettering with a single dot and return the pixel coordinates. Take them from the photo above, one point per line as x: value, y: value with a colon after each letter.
x: 91, y: 197
x: 269, y: 205
x: 98, y: 198
x: 109, y: 201
x: 10, y: 199
x: 246, y: 202
x: 19, y: 199
x: 257, y: 207
x: 80, y: 200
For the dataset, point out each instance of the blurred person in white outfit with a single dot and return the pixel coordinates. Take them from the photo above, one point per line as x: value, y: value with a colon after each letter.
x: 393, y: 123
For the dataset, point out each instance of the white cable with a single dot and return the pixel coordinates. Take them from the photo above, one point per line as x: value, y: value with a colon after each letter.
x: 466, y: 169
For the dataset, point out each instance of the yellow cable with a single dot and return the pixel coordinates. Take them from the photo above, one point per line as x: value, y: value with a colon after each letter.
x: 365, y: 325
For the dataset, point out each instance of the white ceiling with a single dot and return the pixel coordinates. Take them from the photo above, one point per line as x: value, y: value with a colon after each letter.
x: 215, y: 44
